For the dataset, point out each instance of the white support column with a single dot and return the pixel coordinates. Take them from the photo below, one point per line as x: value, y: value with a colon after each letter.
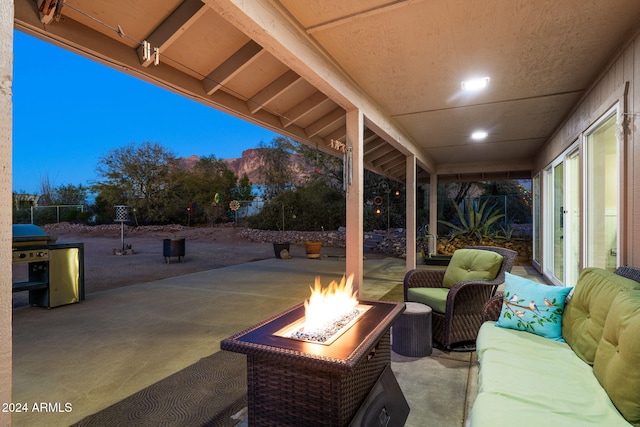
x: 411, y: 187
x: 354, y: 181
x: 6, y: 202
x: 433, y: 206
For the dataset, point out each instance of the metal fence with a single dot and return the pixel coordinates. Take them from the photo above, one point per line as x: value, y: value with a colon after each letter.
x: 41, y: 215
x: 516, y: 208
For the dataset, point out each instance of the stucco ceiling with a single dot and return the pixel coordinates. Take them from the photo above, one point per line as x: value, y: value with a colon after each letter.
x: 297, y: 66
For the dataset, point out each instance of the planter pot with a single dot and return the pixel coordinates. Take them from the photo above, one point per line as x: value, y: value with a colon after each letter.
x: 313, y: 249
x: 278, y: 249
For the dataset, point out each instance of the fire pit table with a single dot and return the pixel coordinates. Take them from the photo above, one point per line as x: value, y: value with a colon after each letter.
x: 293, y: 382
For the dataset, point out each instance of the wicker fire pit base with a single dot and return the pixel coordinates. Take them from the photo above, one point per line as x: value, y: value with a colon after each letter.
x: 296, y: 383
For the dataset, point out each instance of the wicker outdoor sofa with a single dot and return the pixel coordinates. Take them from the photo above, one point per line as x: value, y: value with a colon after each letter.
x: 583, y: 369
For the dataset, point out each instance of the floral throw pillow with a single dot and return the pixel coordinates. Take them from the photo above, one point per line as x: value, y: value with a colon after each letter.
x: 533, y: 307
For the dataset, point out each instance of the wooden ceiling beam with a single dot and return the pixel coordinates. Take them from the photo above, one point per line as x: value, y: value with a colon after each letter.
x: 398, y: 170
x: 342, y: 20
x: 232, y: 66
x: 374, y: 145
x: 305, y: 107
x: 380, y: 153
x: 369, y: 136
x: 323, y: 123
x: 183, y: 17
x: 272, y: 91
x: 388, y: 159
x: 337, y: 135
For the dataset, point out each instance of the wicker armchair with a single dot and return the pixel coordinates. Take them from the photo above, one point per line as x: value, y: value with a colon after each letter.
x: 492, y: 308
x: 460, y: 322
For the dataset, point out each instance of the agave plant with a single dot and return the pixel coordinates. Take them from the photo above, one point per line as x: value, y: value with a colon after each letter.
x: 475, y: 223
x: 506, y: 233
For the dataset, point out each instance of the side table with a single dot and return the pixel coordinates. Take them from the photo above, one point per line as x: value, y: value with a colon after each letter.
x: 411, y: 334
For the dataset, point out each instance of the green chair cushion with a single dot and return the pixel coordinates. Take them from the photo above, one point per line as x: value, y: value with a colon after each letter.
x: 472, y: 264
x: 618, y: 355
x: 585, y: 314
x: 436, y: 298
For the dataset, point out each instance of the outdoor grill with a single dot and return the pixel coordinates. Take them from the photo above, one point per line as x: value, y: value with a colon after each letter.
x: 55, y: 271
x: 292, y: 382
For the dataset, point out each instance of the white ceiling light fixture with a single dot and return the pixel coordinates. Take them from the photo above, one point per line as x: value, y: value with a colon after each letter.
x: 472, y: 85
x: 479, y: 135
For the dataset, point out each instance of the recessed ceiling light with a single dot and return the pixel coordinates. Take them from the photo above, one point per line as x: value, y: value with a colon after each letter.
x: 475, y: 84
x: 479, y: 135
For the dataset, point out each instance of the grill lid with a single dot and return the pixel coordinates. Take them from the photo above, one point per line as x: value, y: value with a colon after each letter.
x: 30, y: 233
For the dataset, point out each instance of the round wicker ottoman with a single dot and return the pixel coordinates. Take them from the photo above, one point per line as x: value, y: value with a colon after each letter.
x: 411, y: 334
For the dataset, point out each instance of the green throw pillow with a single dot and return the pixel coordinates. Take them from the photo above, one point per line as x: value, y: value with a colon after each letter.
x: 533, y: 307
x: 617, y: 360
x: 472, y: 264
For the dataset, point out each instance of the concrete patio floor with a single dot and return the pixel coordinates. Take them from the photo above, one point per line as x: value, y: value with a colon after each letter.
x: 117, y: 342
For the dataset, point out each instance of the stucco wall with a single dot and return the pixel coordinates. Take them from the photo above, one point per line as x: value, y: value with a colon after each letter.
x: 6, y: 79
x: 620, y: 82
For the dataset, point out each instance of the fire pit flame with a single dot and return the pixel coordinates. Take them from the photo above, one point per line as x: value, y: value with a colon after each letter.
x: 325, y: 305
x: 328, y: 313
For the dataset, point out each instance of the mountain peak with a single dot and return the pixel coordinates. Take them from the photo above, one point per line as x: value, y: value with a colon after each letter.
x: 249, y: 163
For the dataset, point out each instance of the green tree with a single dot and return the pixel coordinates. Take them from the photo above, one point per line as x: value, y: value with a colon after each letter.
x: 311, y: 207
x: 137, y: 175
x: 198, y: 187
x: 70, y: 195
x: 321, y: 166
x: 303, y: 180
x: 276, y: 168
x: 243, y: 190
x: 104, y: 209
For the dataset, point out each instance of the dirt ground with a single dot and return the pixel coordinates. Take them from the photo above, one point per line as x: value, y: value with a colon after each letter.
x: 205, y: 249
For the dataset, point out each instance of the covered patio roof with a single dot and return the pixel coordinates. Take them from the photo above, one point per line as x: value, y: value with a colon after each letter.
x: 298, y: 66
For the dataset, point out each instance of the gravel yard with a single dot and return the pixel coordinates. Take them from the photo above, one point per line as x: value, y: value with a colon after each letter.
x: 206, y: 248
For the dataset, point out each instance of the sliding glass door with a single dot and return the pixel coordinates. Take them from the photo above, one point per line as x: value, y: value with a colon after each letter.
x: 579, y: 218
x: 558, y: 221
x: 602, y: 193
x: 562, y: 220
x: 572, y: 217
x: 537, y: 209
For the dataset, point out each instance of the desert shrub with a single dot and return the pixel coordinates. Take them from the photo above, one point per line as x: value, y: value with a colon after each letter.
x: 314, y: 206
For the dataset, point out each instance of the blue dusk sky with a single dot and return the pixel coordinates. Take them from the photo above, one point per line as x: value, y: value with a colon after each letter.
x: 69, y: 111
